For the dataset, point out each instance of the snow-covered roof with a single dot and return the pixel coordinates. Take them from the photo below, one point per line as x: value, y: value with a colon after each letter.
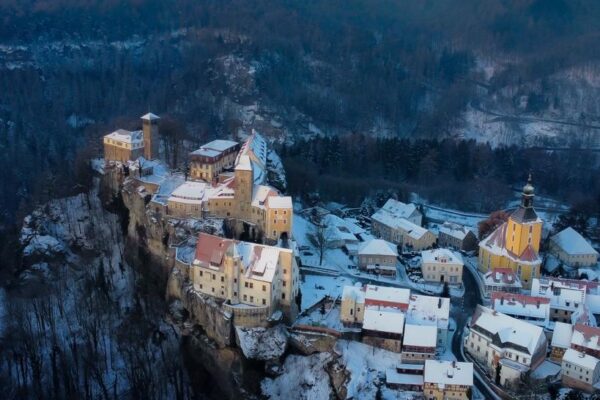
x: 190, y: 192
x: 522, y: 306
x: 395, y: 222
x: 340, y: 229
x: 561, y: 336
x: 509, y: 329
x: 448, y: 372
x: 586, y: 336
x: 571, y: 242
x: 420, y: 335
x: 441, y: 256
x: 454, y: 230
x: 563, y: 294
x: 386, y: 295
x: 260, y: 193
x: 383, y: 320
x: 280, y: 202
x: 125, y: 136
x: 377, y: 247
x: 150, y: 116
x: 399, y: 209
x: 354, y: 293
x: 580, y: 359
x: 214, y: 148
x: 392, y: 376
x: 255, y: 148
x: 428, y: 310
x: 243, y: 163
x: 505, y: 277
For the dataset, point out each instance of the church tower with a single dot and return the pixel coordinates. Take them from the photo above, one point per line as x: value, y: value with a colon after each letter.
x: 524, y: 227
x: 150, y: 129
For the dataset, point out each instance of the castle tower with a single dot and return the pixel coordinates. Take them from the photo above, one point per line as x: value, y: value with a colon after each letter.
x: 244, y: 183
x: 150, y: 128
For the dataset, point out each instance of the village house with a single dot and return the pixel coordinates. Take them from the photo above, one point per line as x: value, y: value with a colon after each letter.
x: 356, y: 299
x: 353, y: 306
x: 568, y: 299
x: 123, y: 145
x: 339, y: 232
x: 395, y: 209
x: 211, y: 159
x: 580, y: 371
x: 405, y: 377
x: 573, y: 249
x: 535, y: 310
x: 419, y: 343
x: 507, y: 347
x: 430, y: 311
x: 400, y: 223
x: 383, y: 327
x: 246, y: 274
x: 456, y: 237
x: 378, y: 256
x: 442, y: 265
x: 447, y: 380
x: 502, y: 280
x: 586, y: 339
x: 561, y: 340
x: 516, y: 243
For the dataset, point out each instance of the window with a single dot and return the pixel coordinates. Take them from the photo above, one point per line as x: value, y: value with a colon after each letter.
x: 235, y: 294
x: 351, y: 312
x: 200, y: 273
x: 251, y: 299
x: 283, y: 296
x: 214, y: 277
x: 213, y: 290
x: 264, y: 301
x: 245, y: 297
x: 284, y: 284
x: 245, y: 284
x: 234, y: 280
x: 222, y: 279
x: 264, y: 288
x: 251, y: 285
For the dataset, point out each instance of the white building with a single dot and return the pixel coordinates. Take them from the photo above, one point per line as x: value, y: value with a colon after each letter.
x: 419, y: 343
x: 442, y: 265
x: 570, y: 301
x: 383, y: 327
x: 573, y: 249
x: 432, y: 311
x: 378, y: 256
x: 580, y: 371
x: 399, y: 210
x: 535, y: 310
x: 507, y: 347
x: 501, y: 280
x: 456, y: 236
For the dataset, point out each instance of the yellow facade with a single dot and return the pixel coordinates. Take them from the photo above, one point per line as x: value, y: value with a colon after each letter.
x: 516, y: 243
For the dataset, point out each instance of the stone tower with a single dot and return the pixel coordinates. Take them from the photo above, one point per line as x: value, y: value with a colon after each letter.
x: 243, y: 185
x: 150, y: 128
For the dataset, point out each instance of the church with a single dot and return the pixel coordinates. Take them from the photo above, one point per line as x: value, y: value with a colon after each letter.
x: 516, y: 243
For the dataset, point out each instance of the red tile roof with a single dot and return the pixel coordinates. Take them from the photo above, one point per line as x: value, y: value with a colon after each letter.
x: 211, y: 249
x: 519, y: 298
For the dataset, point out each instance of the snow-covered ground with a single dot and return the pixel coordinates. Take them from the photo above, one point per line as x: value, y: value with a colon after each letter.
x: 316, y: 287
x: 303, y: 378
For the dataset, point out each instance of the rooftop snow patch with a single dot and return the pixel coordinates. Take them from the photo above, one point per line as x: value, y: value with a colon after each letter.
x: 384, y: 320
x: 580, y: 359
x: 419, y: 335
x: 378, y: 247
x: 448, y: 372
x: 572, y: 242
x: 561, y: 336
x: 441, y: 256
x: 388, y: 295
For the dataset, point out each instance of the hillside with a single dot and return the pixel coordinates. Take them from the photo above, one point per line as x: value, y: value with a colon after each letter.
x: 508, y: 72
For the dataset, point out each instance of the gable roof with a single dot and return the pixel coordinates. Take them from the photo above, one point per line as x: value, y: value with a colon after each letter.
x: 377, y: 247
x: 572, y: 242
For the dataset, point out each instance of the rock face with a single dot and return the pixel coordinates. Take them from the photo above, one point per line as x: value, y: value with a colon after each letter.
x: 202, y: 309
x: 262, y: 343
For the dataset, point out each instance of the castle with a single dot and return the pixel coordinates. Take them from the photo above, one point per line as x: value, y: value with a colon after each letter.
x: 123, y: 145
x: 227, y: 181
x: 516, y: 243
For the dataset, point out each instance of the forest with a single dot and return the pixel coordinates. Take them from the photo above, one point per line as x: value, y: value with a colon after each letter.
x: 72, y: 71
x: 465, y: 175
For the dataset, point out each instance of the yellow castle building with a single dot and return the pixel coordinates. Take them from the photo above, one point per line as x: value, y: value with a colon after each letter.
x: 516, y: 243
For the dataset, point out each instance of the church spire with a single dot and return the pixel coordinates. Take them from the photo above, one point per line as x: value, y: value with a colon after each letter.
x: 528, y: 194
